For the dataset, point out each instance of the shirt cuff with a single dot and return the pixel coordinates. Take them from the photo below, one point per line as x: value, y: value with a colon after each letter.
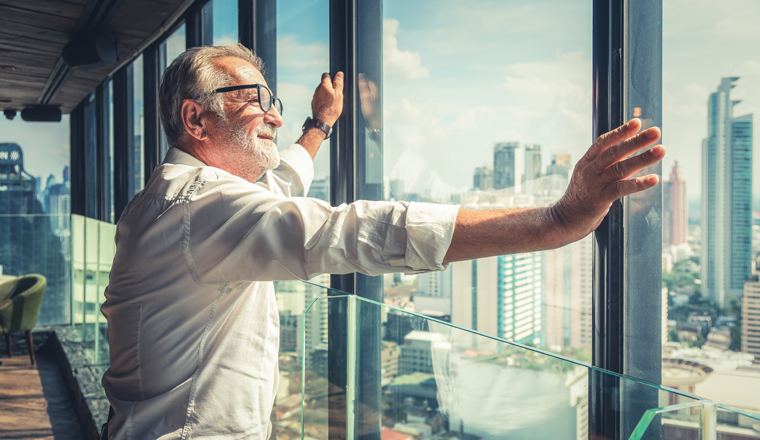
x: 429, y: 230
x: 298, y: 159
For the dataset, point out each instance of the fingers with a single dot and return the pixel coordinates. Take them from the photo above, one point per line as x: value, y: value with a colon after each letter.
x: 606, y: 140
x: 363, y: 85
x: 326, y: 80
x: 630, y: 186
x: 338, y: 82
x: 625, y: 148
x: 625, y: 169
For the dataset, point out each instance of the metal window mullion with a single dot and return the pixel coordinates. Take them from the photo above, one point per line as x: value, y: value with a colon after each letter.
x: 76, y: 133
x: 123, y: 137
x: 101, y: 144
x: 194, y: 26
x: 152, y: 126
x: 608, y: 305
x: 342, y: 141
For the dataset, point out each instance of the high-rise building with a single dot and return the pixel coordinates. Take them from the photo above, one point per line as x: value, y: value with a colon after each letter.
x: 433, y: 293
x: 482, y: 179
x: 675, y: 210
x: 751, y: 317
x: 560, y: 166
x: 501, y: 296
x: 567, y: 295
x: 532, y: 162
x: 506, y: 165
x: 726, y: 198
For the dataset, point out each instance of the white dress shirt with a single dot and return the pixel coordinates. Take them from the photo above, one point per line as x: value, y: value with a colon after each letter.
x: 193, y: 325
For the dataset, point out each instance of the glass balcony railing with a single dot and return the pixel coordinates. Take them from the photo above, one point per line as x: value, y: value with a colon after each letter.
x: 420, y: 378
x: 39, y: 243
x: 352, y: 368
x: 92, y: 252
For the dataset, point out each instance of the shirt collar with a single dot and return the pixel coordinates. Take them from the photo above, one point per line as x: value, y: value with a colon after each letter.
x: 178, y: 157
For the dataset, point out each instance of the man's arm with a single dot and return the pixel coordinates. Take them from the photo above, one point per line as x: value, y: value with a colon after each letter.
x: 600, y: 177
x: 327, y: 105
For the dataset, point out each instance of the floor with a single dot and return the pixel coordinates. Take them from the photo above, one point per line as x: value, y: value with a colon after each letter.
x: 34, y: 403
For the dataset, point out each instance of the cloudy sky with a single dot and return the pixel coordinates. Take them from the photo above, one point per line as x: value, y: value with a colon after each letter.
x: 460, y: 77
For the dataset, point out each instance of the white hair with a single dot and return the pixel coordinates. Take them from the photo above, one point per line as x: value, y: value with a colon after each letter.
x: 192, y: 75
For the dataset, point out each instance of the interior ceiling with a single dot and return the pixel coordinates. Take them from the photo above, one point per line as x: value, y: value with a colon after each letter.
x: 33, y: 33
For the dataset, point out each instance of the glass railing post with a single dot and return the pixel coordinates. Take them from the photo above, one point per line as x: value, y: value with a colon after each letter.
x: 352, y: 364
x: 97, y: 296
x: 84, y: 280
x: 708, y: 428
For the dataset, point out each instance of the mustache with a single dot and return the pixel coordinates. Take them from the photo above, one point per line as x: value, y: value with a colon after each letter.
x: 266, y: 130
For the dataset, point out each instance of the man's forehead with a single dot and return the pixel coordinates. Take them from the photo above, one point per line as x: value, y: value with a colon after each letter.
x: 240, y: 70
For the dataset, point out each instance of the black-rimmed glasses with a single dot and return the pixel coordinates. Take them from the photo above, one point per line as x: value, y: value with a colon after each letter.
x: 263, y: 96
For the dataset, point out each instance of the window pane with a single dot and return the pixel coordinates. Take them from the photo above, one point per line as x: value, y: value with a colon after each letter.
x: 138, y: 151
x: 169, y: 49
x: 488, y: 119
x: 711, y: 201
x: 225, y: 21
x: 303, y: 49
x: 35, y: 207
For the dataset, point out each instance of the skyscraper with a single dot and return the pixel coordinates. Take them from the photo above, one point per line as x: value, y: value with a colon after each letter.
x: 726, y: 197
x: 674, y: 209
x: 506, y: 166
x: 500, y: 296
x: 560, y: 165
x: 532, y: 162
x: 751, y: 317
x: 482, y: 179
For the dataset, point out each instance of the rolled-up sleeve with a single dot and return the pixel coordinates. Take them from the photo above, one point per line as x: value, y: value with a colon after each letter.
x: 236, y: 231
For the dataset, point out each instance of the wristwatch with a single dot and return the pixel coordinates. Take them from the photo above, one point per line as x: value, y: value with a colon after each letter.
x: 316, y: 123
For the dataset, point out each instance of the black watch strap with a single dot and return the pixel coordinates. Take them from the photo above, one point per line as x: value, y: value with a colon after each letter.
x: 316, y: 123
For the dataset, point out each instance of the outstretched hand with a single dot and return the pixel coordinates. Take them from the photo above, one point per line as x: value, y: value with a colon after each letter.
x: 602, y: 176
x: 327, y: 104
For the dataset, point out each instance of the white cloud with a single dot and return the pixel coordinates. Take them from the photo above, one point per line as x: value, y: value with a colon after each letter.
x: 292, y: 54
x: 400, y: 64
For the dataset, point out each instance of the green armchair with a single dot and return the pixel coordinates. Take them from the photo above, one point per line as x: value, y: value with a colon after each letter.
x: 20, y: 301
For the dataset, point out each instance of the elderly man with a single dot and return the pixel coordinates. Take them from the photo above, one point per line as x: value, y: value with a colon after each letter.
x: 193, y: 322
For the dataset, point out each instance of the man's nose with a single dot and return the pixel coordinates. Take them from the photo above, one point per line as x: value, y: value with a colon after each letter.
x: 273, y: 117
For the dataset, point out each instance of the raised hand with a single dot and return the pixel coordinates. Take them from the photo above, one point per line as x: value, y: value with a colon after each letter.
x: 327, y: 103
x: 603, y: 174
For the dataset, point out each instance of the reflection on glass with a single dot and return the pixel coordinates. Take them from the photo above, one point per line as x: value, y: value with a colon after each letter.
x: 488, y: 119
x: 711, y: 202
x: 303, y: 47
x: 168, y: 50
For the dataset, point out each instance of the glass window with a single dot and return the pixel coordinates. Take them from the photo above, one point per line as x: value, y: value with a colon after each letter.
x: 224, y: 22
x: 35, y: 208
x: 711, y: 201
x: 168, y: 50
x: 137, y: 179
x: 303, y: 54
x: 488, y: 119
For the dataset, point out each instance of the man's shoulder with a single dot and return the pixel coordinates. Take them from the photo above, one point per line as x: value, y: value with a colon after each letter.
x: 173, y: 181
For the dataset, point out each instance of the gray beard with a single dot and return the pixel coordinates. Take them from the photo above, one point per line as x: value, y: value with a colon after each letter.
x: 262, y: 153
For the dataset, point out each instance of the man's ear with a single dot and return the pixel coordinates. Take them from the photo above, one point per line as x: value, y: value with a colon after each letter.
x: 193, y: 120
